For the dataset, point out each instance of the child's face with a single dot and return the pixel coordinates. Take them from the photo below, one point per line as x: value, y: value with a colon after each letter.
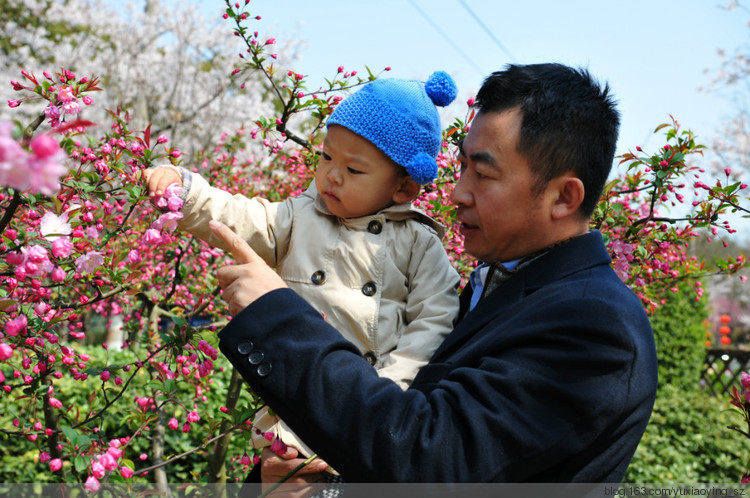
x: 355, y: 178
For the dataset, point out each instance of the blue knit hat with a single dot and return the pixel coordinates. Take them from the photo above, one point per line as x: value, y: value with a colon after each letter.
x: 400, y: 118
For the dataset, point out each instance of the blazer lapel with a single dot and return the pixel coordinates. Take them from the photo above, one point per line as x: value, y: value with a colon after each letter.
x: 575, y: 255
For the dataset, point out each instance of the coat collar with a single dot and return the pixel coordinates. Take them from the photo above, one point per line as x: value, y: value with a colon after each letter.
x: 577, y: 254
x: 397, y: 212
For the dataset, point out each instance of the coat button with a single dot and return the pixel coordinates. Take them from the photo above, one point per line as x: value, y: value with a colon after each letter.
x: 369, y: 289
x: 319, y: 277
x: 371, y: 358
x: 263, y: 369
x: 375, y: 227
x: 244, y: 347
x: 255, y: 357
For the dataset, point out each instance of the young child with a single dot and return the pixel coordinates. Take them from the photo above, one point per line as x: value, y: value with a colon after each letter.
x: 353, y: 245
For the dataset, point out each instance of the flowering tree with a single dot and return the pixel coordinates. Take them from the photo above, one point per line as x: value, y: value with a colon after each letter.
x: 168, y: 66
x: 78, y: 236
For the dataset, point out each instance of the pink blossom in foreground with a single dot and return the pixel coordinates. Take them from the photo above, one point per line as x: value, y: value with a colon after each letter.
x: 16, y: 326
x: 167, y: 222
x: 126, y: 472
x: 6, y: 351
x: 53, y: 226
x: 55, y: 464
x: 62, y: 247
x: 88, y: 262
x: 92, y: 484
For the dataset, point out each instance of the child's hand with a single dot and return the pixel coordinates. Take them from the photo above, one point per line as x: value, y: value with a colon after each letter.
x: 158, y: 179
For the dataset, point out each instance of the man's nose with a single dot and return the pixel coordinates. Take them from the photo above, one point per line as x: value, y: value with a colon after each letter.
x: 460, y: 195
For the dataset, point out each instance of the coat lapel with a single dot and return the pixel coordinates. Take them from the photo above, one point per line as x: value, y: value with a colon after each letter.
x: 576, y: 255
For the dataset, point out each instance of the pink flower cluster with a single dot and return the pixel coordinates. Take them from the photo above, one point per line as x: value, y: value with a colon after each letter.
x: 38, y: 171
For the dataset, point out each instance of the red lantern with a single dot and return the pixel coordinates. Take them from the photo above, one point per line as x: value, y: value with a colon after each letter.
x: 725, y: 319
x: 724, y: 330
x: 725, y: 340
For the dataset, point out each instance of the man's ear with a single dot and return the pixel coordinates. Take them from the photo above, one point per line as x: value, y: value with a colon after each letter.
x: 407, y: 191
x: 568, y: 192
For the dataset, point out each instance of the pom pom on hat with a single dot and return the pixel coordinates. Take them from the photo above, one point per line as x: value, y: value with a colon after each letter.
x: 422, y: 168
x: 399, y: 117
x: 441, y: 88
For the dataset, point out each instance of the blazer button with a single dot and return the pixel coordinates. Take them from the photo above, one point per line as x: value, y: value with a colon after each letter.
x: 369, y: 289
x: 244, y: 347
x: 263, y: 369
x: 319, y: 277
x: 371, y: 358
x: 375, y: 227
x: 256, y: 357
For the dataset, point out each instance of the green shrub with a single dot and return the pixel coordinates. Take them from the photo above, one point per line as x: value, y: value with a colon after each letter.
x: 680, y: 338
x: 21, y: 462
x: 687, y: 441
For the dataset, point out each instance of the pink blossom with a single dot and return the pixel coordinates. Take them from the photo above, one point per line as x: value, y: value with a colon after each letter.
x: 44, y: 457
x: 16, y: 326
x: 108, y: 461
x: 126, y: 472
x: 55, y: 464
x: 6, y: 351
x: 745, y: 381
x: 134, y: 256
x: 65, y: 94
x: 52, y: 111
x: 15, y: 258
x: 173, y: 424
x: 92, y: 233
x: 167, y: 222
x: 193, y: 417
x: 62, y: 247
x: 58, y: 274
x: 104, y: 376
x: 72, y: 107
x: 52, y: 226
x: 92, y: 484
x: 87, y: 100
x: 162, y: 139
x: 278, y: 446
x: 88, y: 262
x: 44, y: 146
x: 55, y: 403
x: 13, y: 103
x: 152, y: 237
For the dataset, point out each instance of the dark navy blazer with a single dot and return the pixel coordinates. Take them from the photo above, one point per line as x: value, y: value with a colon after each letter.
x: 551, y: 378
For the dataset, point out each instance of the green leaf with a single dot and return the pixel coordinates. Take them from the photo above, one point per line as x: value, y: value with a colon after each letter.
x: 80, y: 464
x: 71, y: 434
x: 83, y: 441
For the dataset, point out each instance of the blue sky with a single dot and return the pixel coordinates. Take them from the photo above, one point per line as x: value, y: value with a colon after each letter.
x: 653, y: 53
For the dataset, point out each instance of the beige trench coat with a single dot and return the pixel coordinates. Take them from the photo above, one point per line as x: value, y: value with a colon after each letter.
x: 384, y: 281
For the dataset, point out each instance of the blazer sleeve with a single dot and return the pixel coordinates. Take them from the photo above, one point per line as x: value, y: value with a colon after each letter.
x: 265, y: 225
x: 431, y: 308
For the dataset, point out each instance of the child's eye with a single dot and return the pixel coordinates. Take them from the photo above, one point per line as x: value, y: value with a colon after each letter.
x: 325, y: 156
x: 354, y: 171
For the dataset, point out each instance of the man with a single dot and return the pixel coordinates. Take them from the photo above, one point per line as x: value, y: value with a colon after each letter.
x: 550, y: 373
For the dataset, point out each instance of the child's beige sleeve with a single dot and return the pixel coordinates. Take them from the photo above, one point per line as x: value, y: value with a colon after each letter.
x: 265, y: 225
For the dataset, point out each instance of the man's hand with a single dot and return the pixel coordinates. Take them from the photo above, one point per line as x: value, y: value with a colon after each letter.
x: 157, y: 180
x: 274, y: 467
x: 247, y: 280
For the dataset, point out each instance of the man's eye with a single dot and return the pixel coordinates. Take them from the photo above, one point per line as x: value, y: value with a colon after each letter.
x: 354, y: 171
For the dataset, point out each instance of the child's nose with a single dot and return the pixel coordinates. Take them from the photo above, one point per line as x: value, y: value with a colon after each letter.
x: 334, y: 175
